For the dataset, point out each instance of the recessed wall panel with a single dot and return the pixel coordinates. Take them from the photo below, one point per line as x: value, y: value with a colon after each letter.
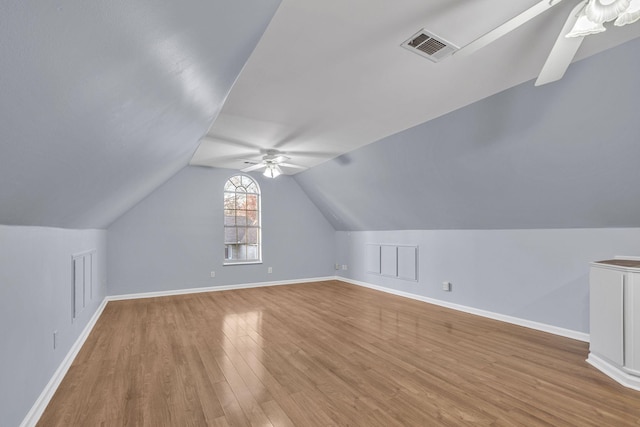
x: 82, y: 286
x: 388, y: 261
x: 78, y: 285
x: 407, y: 262
x: 372, y: 258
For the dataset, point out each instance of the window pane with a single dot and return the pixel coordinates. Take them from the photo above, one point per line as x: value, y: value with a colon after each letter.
x: 252, y: 236
x: 236, y: 180
x: 235, y: 252
x: 242, y: 235
x: 252, y: 252
x: 230, y: 235
x: 241, y: 218
x: 252, y: 217
x: 228, y: 186
x: 229, y: 217
x: 248, y: 183
x: 241, y: 201
x: 252, y: 201
x: 251, y: 188
x: 241, y: 252
x: 229, y: 200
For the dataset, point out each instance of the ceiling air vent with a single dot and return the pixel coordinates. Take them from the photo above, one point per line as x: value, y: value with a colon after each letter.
x: 430, y: 46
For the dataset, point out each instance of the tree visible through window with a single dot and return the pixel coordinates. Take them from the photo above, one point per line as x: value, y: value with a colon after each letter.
x: 242, y: 240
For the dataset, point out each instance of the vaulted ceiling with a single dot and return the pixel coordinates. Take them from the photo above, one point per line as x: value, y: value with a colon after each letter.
x: 330, y: 76
x: 102, y: 101
x: 557, y: 156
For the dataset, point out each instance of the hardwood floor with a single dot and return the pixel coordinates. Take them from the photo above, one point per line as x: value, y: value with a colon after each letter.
x: 327, y: 354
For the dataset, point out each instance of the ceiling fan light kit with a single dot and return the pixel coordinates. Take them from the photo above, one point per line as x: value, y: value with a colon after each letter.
x: 597, y: 12
x: 271, y: 163
x: 629, y: 16
x: 584, y: 27
x: 605, y: 10
x: 272, y: 171
x: 586, y: 18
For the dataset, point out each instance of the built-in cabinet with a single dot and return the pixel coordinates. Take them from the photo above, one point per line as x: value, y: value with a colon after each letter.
x: 614, y: 315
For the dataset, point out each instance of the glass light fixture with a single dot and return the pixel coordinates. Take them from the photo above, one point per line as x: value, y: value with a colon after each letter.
x: 272, y: 171
x: 629, y: 16
x: 600, y: 11
x: 584, y: 26
x: 597, y: 12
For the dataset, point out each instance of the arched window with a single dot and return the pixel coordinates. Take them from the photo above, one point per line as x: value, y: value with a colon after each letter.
x: 242, y: 239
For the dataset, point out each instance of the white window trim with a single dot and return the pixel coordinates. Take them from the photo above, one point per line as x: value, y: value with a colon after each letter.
x: 228, y: 262
x: 241, y: 262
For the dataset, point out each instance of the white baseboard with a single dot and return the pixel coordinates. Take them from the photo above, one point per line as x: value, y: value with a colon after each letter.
x: 41, y: 403
x: 580, y: 336
x: 613, y: 372
x: 215, y: 288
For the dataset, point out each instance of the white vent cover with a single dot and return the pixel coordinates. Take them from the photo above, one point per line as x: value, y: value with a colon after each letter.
x: 430, y: 46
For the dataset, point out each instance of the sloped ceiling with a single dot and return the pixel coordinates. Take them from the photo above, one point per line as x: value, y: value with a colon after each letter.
x: 330, y: 76
x: 102, y: 101
x: 558, y: 156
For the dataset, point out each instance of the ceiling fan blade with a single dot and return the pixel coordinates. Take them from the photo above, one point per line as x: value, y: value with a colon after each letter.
x: 212, y: 139
x: 507, y: 27
x: 210, y: 159
x: 290, y: 165
x: 280, y: 158
x: 321, y: 154
x: 249, y: 160
x: 562, y: 52
x: 253, y: 167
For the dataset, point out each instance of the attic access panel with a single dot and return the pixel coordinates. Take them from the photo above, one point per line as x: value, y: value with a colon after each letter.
x: 429, y: 45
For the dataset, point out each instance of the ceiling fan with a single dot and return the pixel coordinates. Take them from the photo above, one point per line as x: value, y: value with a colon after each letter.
x: 272, y: 162
x: 224, y: 152
x: 586, y: 18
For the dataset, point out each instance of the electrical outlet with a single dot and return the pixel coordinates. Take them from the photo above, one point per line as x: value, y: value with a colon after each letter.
x: 337, y: 266
x: 446, y: 286
x: 55, y: 339
x: 270, y: 270
x: 213, y: 274
x: 344, y: 266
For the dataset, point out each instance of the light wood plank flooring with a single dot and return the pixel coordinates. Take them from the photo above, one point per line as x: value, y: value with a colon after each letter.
x: 327, y: 354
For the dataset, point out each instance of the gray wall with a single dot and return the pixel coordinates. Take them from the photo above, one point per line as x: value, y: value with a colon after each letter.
x: 103, y: 101
x: 564, y: 155
x: 538, y: 275
x: 35, y: 300
x: 509, y: 198
x: 173, y: 239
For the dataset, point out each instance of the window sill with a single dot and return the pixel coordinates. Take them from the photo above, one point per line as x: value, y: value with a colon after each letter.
x: 240, y: 263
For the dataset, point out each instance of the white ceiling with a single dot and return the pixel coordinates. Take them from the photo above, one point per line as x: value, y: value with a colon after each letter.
x: 328, y: 77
